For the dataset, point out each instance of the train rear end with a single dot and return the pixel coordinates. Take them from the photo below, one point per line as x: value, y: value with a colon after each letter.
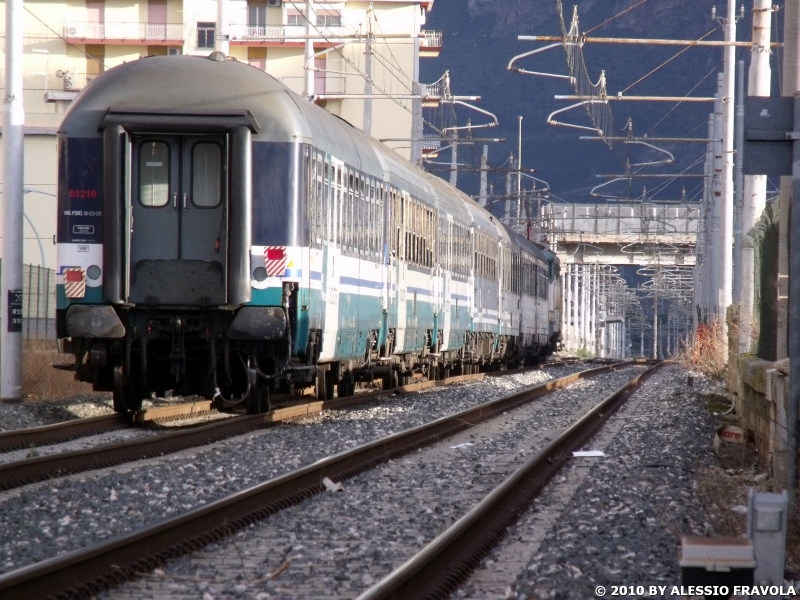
x: 155, y: 245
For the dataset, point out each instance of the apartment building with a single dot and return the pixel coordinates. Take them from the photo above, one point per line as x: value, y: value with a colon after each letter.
x: 365, y: 66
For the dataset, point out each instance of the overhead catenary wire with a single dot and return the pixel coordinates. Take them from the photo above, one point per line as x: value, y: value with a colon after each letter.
x: 666, y: 62
x: 619, y: 14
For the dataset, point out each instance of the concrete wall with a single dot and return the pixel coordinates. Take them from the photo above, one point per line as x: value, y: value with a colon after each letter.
x: 761, y: 403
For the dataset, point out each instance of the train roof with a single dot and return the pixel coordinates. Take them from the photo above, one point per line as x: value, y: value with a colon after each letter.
x: 191, y: 85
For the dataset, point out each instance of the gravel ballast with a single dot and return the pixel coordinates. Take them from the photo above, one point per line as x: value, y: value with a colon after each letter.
x: 42, y: 520
x: 616, y: 520
x: 337, y: 544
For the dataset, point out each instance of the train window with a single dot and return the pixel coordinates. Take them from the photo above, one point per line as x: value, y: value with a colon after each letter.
x: 206, y: 175
x: 154, y: 174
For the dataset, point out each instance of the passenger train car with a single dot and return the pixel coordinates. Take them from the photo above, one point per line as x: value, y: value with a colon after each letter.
x: 219, y: 235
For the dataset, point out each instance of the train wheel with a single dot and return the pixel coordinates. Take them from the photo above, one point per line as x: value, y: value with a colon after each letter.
x: 323, y: 385
x: 347, y: 386
x: 330, y: 386
x: 127, y: 396
x: 258, y: 400
x: 390, y: 381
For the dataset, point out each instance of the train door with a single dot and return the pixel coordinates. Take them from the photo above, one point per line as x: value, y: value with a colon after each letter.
x: 402, y: 272
x: 446, y: 261
x: 475, y: 301
x: 177, y: 220
x: 331, y: 257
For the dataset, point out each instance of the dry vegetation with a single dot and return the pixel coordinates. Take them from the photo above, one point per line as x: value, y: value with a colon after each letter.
x: 723, y: 486
x: 40, y: 380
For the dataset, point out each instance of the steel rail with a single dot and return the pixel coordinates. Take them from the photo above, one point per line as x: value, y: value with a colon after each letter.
x: 59, y: 432
x: 83, y: 572
x: 30, y: 470
x: 65, y: 431
x: 437, y: 570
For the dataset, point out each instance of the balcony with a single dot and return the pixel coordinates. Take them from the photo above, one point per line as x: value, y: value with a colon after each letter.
x: 431, y: 43
x: 152, y: 34
x: 280, y: 35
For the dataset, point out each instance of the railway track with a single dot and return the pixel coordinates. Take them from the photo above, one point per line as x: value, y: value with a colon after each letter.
x: 122, y: 557
x: 441, y: 566
x: 40, y: 468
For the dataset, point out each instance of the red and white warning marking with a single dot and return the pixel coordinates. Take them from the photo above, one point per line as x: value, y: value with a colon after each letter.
x: 275, y: 257
x: 75, y: 282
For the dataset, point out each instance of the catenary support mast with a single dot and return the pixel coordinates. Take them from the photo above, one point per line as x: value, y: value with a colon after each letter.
x: 13, y: 152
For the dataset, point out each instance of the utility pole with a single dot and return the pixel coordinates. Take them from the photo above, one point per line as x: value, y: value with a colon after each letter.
x: 709, y: 283
x: 13, y: 153
x: 755, y: 186
x: 222, y: 41
x: 454, y: 159
x: 484, y: 175
x: 509, y: 193
x: 368, y: 74
x: 717, y: 244
x: 738, y: 186
x: 725, y: 272
x: 308, y: 60
x: 519, y: 173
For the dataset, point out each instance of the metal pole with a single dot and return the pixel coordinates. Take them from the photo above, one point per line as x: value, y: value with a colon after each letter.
x: 507, y: 214
x: 709, y: 284
x: 222, y: 41
x: 368, y: 74
x: 738, y: 187
x: 13, y: 193
x: 519, y: 171
x: 755, y: 186
x: 573, y: 311
x: 655, y: 326
x: 47, y: 303
x: 454, y: 160
x: 791, y: 85
x: 594, y: 298
x: 567, y: 308
x: 27, y: 314
x: 484, y: 175
x: 725, y: 272
x: 416, y: 113
x: 717, y: 199
x: 308, y: 60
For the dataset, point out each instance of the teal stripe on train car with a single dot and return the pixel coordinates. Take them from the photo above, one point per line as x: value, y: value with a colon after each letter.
x: 417, y: 332
x: 272, y: 296
x: 94, y: 295
x: 358, y: 315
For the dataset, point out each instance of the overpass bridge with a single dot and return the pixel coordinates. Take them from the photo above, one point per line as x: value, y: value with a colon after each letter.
x: 623, y: 233
x: 602, y: 315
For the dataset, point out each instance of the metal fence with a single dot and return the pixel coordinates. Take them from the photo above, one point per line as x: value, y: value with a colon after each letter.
x: 764, y: 238
x: 38, y: 302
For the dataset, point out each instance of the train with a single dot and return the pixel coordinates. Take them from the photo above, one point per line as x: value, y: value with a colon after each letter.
x: 218, y: 235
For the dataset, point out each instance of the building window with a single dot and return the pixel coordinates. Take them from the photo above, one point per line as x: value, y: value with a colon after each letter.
x: 205, y: 36
x: 295, y: 19
x: 274, y: 2
x: 329, y: 20
x: 257, y: 16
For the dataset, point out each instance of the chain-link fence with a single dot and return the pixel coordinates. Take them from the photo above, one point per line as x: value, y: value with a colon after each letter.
x: 765, y: 297
x: 38, y: 302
